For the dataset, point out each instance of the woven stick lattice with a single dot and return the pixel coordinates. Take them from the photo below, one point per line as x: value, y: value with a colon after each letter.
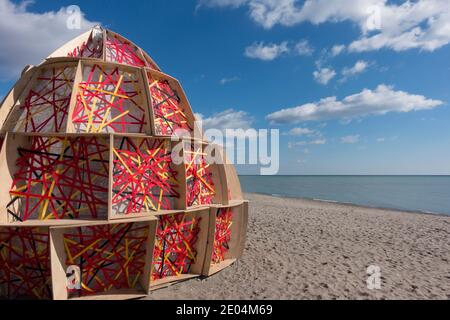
x: 169, y: 113
x: 46, y: 105
x: 109, y: 257
x: 109, y: 100
x: 122, y: 51
x: 144, y: 178
x: 24, y: 263
x: 222, y: 235
x: 60, y: 178
x: 200, y: 187
x: 175, y: 247
x: 90, y: 134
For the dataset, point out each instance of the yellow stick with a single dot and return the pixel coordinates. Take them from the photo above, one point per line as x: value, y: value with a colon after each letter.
x: 105, y: 92
x: 94, y: 105
x: 119, y: 116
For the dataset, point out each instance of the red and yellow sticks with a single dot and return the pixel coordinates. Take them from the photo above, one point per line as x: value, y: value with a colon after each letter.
x: 60, y: 178
x: 45, y: 108
x: 169, y: 113
x: 109, y: 256
x: 222, y: 235
x: 109, y: 99
x: 24, y: 263
x: 122, y: 51
x: 143, y: 176
x: 200, y: 187
x: 175, y: 247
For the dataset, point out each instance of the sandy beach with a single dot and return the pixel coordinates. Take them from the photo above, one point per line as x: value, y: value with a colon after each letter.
x: 302, y: 249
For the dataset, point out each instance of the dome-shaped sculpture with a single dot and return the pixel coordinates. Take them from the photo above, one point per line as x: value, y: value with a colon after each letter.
x: 92, y: 202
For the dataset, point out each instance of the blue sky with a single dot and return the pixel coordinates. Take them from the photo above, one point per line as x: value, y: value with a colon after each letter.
x: 253, y: 58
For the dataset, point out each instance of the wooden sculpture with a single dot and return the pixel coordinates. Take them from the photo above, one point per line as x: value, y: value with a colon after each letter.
x: 92, y: 204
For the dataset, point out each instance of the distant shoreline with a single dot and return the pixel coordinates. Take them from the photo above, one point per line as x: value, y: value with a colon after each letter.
x: 416, y: 194
x: 350, y: 204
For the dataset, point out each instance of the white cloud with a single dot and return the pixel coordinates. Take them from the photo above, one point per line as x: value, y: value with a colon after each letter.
x: 271, y: 51
x: 228, y: 119
x: 337, y: 50
x: 382, y: 100
x: 266, y: 52
x: 303, y: 48
x: 269, y: 13
x: 316, y: 142
x: 29, y: 37
x: 302, y: 132
x: 224, y: 81
x: 350, y: 139
x: 221, y: 3
x: 324, y: 75
x: 381, y: 140
x: 232, y: 120
x: 359, y: 67
x: 422, y: 24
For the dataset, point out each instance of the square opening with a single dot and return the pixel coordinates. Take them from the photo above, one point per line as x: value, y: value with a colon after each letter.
x: 179, y: 247
x: 107, y: 259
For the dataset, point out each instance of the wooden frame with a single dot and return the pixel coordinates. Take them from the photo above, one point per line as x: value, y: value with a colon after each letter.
x: 178, y: 169
x: 14, y: 142
x: 238, y: 235
x: 75, y: 166
x: 10, y: 100
x: 59, y: 258
x: 27, y: 250
x: 15, y: 113
x: 200, y: 246
x: 9, y: 156
x: 123, y: 68
x: 138, y: 51
x: 150, y: 62
x: 71, y: 45
x: 176, y: 86
x: 230, y: 180
x: 18, y: 265
x: 216, y: 170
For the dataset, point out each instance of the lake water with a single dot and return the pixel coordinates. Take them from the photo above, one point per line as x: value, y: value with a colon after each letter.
x: 429, y: 194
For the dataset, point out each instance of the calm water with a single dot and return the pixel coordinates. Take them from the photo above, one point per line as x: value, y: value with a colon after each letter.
x: 415, y: 193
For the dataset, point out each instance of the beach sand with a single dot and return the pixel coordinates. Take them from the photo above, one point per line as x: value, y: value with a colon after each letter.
x: 302, y: 249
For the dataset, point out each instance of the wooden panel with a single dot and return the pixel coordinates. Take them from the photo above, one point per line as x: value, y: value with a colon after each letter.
x: 25, y: 271
x: 126, y: 276
x: 204, y: 180
x: 226, y: 238
x: 182, y: 257
x: 68, y: 47
x: 171, y: 109
x: 144, y: 177
x: 54, y: 177
x: 110, y: 98
x: 11, y: 98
